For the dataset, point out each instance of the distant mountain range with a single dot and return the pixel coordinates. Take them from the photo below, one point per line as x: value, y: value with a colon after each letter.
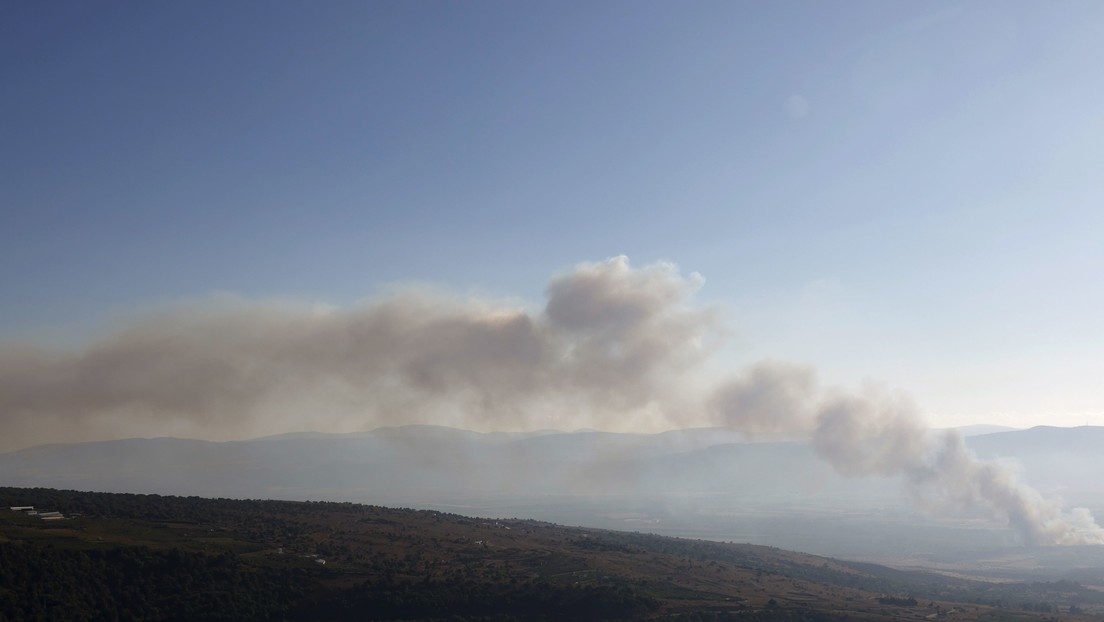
x: 979, y: 429
x: 425, y: 463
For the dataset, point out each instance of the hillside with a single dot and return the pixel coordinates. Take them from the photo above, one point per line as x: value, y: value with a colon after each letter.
x: 702, y: 483
x: 149, y: 557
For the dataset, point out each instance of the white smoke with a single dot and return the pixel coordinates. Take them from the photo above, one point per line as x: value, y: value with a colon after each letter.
x: 615, y: 347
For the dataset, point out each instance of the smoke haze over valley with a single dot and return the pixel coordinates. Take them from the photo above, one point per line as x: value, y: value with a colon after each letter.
x: 615, y: 348
x: 818, y: 276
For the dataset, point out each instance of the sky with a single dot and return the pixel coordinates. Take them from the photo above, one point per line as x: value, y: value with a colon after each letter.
x: 903, y: 194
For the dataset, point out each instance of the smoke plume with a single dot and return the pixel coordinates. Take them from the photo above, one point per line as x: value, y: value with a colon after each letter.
x: 615, y: 347
x: 881, y: 434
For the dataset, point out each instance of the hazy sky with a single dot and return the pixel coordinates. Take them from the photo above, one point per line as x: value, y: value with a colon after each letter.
x: 909, y: 193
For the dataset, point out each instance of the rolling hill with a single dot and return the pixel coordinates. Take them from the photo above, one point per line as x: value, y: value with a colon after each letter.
x: 150, y: 557
x: 707, y: 483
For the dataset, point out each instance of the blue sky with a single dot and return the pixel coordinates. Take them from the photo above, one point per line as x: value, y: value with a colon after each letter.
x: 902, y: 192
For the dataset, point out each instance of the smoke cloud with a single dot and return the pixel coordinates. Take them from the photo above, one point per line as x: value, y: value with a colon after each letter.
x: 615, y: 347
x: 876, y: 432
x: 881, y: 434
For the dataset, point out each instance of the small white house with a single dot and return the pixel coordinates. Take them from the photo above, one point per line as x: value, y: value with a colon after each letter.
x: 21, y: 508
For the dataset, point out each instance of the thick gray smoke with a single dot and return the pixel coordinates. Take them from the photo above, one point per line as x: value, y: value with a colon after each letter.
x: 881, y: 434
x: 615, y: 347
